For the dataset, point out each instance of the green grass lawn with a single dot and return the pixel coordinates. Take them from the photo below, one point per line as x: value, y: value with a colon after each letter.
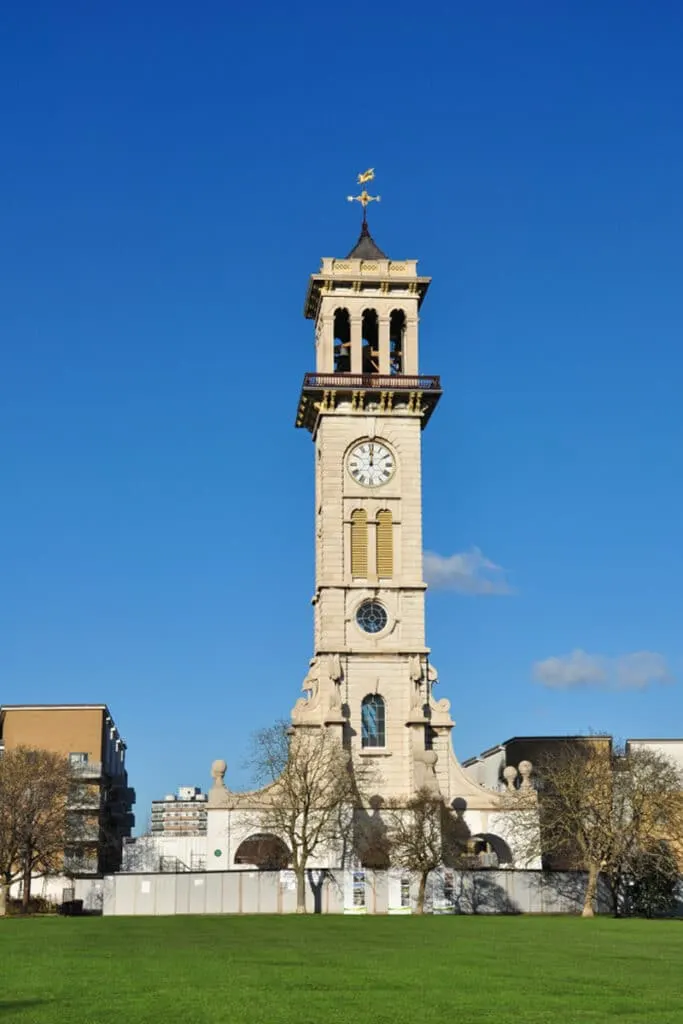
x: 329, y: 970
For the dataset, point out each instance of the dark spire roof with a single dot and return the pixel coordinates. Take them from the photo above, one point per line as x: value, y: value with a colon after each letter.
x: 366, y: 247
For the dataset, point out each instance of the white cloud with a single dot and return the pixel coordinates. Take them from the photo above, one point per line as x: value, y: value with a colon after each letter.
x: 637, y: 670
x: 633, y: 671
x: 575, y: 669
x: 469, y: 572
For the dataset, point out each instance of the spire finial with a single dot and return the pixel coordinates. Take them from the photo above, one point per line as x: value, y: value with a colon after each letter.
x: 365, y: 198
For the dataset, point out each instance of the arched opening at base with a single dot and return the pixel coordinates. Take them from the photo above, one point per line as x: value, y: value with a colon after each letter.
x: 263, y: 851
x: 489, y: 851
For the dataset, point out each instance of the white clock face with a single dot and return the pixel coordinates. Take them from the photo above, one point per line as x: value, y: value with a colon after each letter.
x: 371, y: 463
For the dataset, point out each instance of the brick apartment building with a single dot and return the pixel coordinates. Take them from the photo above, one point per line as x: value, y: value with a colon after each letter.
x: 101, y: 801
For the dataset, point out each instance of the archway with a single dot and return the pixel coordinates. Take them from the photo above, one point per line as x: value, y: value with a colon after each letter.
x: 263, y: 851
x: 490, y: 851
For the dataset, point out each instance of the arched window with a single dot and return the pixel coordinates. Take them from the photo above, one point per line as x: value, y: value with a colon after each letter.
x: 342, y: 341
x: 359, y: 544
x: 385, y: 544
x: 373, y: 723
x: 397, y: 329
x: 370, y: 330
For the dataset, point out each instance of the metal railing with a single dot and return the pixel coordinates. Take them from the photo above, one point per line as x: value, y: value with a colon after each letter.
x: 84, y: 801
x: 87, y: 769
x: 400, y: 382
x: 81, y: 866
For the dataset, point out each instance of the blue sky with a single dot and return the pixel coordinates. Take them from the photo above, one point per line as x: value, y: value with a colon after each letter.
x: 170, y: 176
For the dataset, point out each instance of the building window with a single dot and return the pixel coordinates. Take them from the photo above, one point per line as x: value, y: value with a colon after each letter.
x: 359, y: 888
x: 405, y: 890
x: 385, y: 544
x: 371, y: 616
x: 373, y: 721
x: 78, y: 758
x: 359, y: 544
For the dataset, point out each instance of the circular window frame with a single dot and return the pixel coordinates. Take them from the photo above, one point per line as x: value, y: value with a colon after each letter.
x: 378, y: 604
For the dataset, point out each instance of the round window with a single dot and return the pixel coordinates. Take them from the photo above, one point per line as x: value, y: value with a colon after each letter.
x: 371, y: 617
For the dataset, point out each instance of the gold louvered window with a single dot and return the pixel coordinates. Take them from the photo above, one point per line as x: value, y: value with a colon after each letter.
x: 385, y: 544
x: 359, y: 543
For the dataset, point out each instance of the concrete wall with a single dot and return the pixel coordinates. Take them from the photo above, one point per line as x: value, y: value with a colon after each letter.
x: 52, y: 889
x: 143, y: 854
x: 365, y: 892
x: 671, y: 749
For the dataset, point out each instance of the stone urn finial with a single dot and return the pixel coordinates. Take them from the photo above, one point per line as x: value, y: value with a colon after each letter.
x: 510, y: 774
x: 525, y: 769
x: 218, y: 770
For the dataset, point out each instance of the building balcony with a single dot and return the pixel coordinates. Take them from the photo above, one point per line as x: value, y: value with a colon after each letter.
x: 84, y: 801
x: 416, y: 394
x: 77, y: 865
x: 119, y: 809
x: 378, y: 381
x: 87, y: 769
x: 83, y: 831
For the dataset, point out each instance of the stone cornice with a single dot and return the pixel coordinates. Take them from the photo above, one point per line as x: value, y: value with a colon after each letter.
x: 339, y: 274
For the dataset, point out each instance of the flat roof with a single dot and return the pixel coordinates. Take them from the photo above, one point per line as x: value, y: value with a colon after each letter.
x: 54, y: 707
x: 546, y: 739
x: 654, y: 739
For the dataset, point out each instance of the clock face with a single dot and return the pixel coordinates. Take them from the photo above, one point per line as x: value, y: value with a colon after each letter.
x: 371, y: 463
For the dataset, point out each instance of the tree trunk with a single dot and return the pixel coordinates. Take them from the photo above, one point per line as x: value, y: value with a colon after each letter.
x: 591, y: 890
x: 26, y: 888
x: 616, y: 885
x: 422, y: 888
x: 4, y: 896
x: 300, y: 890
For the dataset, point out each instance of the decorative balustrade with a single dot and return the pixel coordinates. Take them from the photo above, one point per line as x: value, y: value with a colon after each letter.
x: 347, y: 381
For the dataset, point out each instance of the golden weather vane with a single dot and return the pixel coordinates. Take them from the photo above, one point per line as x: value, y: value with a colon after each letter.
x: 365, y: 198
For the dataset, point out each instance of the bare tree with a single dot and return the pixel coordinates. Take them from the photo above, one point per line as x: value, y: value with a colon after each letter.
x: 34, y: 786
x: 599, y: 808
x: 310, y: 795
x: 423, y: 836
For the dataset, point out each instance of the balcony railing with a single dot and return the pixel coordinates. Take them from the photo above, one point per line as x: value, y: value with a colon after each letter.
x: 87, y: 769
x: 83, y: 831
x: 80, y: 865
x: 84, y: 801
x: 399, y: 382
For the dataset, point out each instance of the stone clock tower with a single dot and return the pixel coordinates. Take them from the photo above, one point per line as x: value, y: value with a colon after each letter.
x: 365, y: 407
x: 371, y: 680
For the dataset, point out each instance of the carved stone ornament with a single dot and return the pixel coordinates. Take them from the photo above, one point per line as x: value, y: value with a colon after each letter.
x: 306, y: 706
x: 218, y: 770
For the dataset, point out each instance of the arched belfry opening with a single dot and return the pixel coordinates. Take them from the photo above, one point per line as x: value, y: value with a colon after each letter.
x: 370, y: 334
x: 342, y: 341
x: 397, y: 330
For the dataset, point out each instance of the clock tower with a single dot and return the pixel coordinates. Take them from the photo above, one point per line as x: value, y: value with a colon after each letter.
x: 366, y: 406
x: 370, y: 681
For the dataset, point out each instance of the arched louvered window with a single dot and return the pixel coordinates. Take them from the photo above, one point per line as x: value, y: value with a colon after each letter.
x: 373, y: 721
x: 385, y: 544
x: 359, y: 544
